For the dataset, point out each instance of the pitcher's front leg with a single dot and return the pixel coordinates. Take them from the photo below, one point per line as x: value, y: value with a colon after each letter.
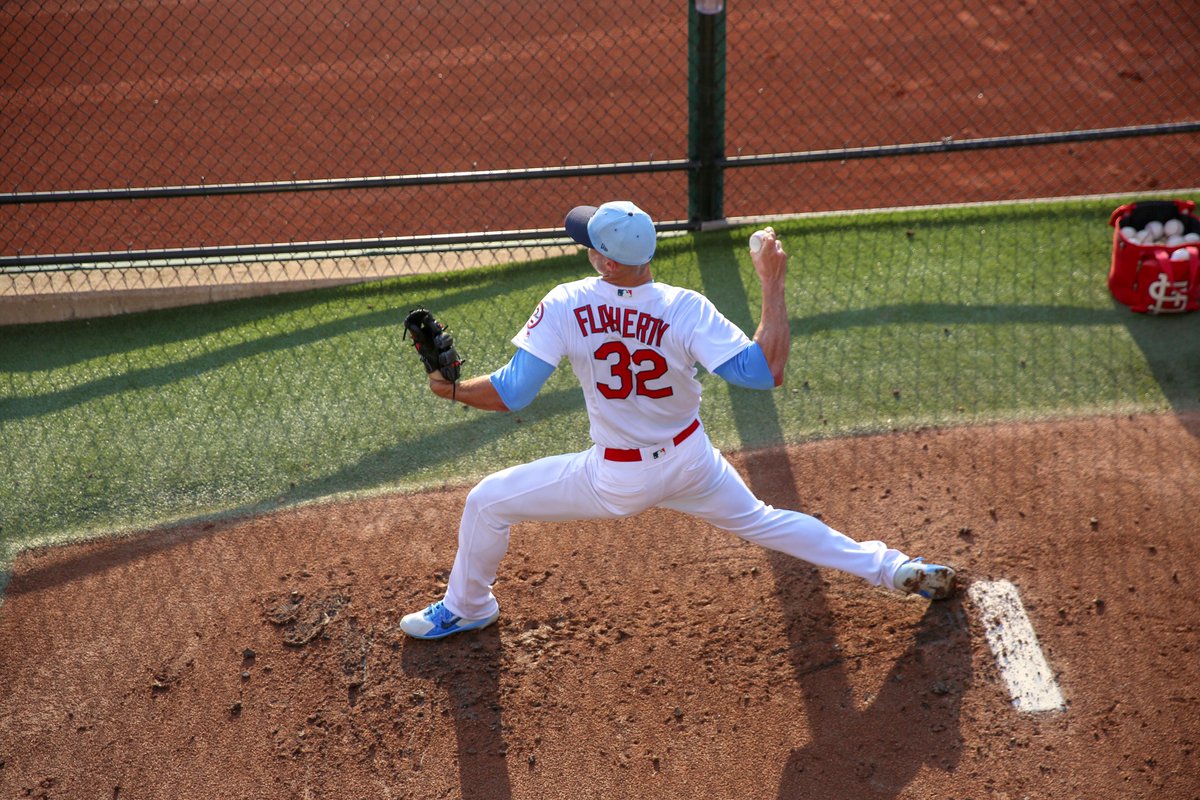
x: 551, y: 489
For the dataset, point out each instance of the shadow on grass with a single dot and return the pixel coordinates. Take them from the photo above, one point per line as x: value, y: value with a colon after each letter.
x: 54, y: 345
x: 1171, y: 345
x: 950, y: 314
x: 450, y: 446
x: 380, y: 468
x: 48, y: 347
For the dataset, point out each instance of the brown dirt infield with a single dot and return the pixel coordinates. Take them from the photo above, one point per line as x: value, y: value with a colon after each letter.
x: 654, y: 657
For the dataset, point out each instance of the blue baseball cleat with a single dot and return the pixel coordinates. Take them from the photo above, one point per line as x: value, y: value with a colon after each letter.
x: 436, y: 622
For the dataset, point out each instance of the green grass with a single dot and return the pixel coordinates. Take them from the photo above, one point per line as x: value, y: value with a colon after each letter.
x: 899, y: 319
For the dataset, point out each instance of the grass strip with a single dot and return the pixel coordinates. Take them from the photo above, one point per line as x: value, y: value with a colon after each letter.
x: 899, y: 319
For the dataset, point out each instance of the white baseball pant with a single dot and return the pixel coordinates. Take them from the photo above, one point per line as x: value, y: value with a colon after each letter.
x: 692, y: 477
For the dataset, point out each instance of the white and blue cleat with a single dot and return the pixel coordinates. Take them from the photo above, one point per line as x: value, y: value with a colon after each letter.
x: 931, y: 581
x: 436, y: 622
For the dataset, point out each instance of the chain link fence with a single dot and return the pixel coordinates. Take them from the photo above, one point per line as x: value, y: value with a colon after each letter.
x: 164, y: 153
x: 181, y: 146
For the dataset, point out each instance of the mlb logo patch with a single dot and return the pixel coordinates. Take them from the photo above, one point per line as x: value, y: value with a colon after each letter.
x: 660, y: 452
x: 624, y: 292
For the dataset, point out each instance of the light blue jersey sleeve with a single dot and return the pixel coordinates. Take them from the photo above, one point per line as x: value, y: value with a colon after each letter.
x: 519, y: 381
x: 748, y: 368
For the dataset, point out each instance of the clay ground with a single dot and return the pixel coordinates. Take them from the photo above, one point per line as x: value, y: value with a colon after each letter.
x: 649, y: 658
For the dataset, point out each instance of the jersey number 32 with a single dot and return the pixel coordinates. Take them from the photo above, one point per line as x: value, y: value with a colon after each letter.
x: 632, y: 371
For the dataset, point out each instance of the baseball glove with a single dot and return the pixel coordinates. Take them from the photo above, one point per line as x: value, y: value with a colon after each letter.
x: 435, y: 347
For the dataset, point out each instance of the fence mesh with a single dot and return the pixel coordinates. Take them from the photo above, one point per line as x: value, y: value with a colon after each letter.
x: 105, y: 96
x: 100, y: 97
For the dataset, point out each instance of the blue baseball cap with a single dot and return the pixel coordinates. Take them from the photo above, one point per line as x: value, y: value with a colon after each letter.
x: 618, y: 229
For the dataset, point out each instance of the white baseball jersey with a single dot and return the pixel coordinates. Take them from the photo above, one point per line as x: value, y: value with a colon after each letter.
x: 634, y: 351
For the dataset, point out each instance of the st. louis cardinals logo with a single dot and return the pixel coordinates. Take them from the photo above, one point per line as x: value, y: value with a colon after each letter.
x: 538, y: 313
x: 1170, y: 297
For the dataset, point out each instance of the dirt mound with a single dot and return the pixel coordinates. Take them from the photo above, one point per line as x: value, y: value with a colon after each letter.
x: 652, y: 657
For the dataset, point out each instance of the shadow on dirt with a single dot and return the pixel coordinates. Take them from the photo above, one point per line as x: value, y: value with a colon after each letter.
x: 876, y: 748
x: 73, y: 564
x: 858, y: 749
x: 467, y: 669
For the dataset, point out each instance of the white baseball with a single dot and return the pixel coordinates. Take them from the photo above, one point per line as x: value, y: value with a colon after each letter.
x: 1129, y: 232
x: 1181, y: 254
x: 1173, y: 227
x: 756, y: 241
x: 1191, y: 238
x: 1174, y: 241
x: 1155, y: 228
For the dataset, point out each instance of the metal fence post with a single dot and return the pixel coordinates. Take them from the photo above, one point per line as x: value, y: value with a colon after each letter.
x: 706, y: 110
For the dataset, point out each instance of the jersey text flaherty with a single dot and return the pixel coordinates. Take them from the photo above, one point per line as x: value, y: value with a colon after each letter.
x: 625, y: 322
